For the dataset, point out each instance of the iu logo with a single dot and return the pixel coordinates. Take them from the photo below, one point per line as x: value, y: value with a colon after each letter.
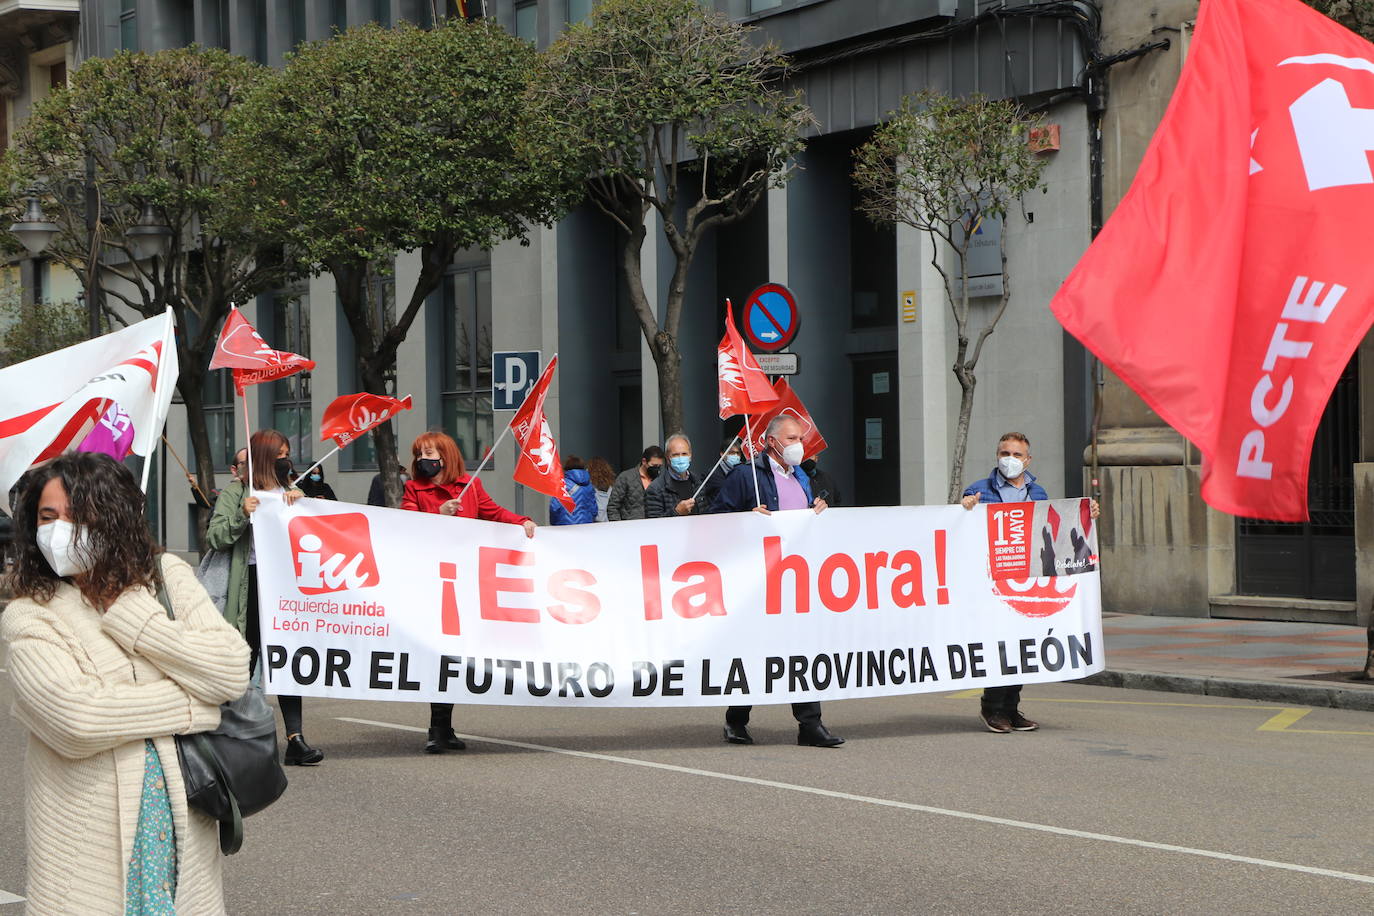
x: 333, y: 553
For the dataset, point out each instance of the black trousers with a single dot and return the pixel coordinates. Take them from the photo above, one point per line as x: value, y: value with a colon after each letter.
x: 805, y: 714
x: 290, y: 706
x: 440, y: 715
x: 1001, y: 699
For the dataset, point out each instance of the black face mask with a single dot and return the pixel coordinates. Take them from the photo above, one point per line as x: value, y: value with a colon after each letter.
x: 653, y: 470
x: 428, y: 467
x: 283, y: 469
x: 809, y: 466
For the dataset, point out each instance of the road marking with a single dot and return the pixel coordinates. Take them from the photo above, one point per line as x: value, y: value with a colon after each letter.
x: 891, y: 803
x: 1283, y: 721
x: 7, y: 897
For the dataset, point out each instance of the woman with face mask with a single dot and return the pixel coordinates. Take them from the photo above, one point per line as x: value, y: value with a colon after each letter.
x: 314, y: 486
x: 102, y: 681
x: 437, y: 477
x: 230, y: 530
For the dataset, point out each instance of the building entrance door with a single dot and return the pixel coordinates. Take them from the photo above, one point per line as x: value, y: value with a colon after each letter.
x: 1316, y: 558
x: 877, y: 461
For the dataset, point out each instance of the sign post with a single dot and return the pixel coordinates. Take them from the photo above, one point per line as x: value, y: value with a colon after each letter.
x: 770, y: 318
x: 513, y: 374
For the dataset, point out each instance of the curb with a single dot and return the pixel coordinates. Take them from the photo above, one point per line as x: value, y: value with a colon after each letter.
x: 1287, y: 692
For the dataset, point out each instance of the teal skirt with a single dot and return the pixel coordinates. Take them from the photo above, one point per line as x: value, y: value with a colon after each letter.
x: 152, y: 885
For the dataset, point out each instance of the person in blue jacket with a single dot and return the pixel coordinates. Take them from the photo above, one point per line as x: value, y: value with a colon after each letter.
x: 1009, y: 482
x: 579, y: 484
x: 782, y: 485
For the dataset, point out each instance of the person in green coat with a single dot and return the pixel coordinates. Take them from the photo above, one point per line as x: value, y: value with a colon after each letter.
x: 230, y: 531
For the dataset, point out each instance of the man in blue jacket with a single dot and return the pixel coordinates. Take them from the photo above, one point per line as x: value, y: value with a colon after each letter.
x: 781, y: 484
x: 1009, y: 482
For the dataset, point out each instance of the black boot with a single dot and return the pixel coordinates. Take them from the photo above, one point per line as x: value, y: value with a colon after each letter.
x: 443, y: 739
x: 300, y: 754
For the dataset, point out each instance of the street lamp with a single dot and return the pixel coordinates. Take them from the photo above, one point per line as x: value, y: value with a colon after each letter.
x: 148, y: 238
x: 34, y: 230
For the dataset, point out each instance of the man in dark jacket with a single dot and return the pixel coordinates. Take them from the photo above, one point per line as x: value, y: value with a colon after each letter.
x: 731, y: 454
x: 627, y: 494
x: 674, y: 491
x: 1009, y: 482
x: 774, y: 481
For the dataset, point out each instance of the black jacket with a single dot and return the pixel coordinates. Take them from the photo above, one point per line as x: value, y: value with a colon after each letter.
x: 660, y: 499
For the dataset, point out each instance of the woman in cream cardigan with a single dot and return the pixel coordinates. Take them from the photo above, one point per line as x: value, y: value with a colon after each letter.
x: 102, y: 680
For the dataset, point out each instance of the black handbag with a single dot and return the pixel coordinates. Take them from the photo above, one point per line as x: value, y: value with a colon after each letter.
x: 233, y: 771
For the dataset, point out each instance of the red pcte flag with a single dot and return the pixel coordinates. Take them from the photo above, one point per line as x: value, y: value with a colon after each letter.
x: 813, y: 443
x: 242, y: 349
x: 744, y: 387
x: 351, y: 415
x: 538, y: 466
x: 1232, y: 284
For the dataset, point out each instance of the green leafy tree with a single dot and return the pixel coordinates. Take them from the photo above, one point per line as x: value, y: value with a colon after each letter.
x: 27, y: 332
x: 1356, y: 15
x: 150, y: 129
x: 385, y: 140
x: 942, y: 166
x: 667, y: 106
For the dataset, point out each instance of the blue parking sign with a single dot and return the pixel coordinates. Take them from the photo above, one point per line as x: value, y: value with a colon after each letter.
x: 513, y: 374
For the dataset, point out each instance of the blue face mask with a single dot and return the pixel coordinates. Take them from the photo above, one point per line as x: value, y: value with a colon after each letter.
x: 731, y: 460
x: 316, y: 478
x: 680, y: 463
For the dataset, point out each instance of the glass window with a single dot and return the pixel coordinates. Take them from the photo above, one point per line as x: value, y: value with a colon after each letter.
x: 338, y: 14
x: 758, y: 6
x: 218, y: 401
x: 128, y: 25
x: 362, y: 454
x: 872, y: 272
x: 579, y: 10
x: 291, y: 395
x: 296, y: 12
x: 466, y: 381
x: 260, y: 31
x: 527, y: 22
x: 381, y: 13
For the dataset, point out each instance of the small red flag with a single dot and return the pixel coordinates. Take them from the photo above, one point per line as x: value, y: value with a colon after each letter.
x: 538, y: 466
x: 813, y: 443
x: 349, y: 416
x: 744, y: 387
x: 242, y: 349
x: 1232, y: 284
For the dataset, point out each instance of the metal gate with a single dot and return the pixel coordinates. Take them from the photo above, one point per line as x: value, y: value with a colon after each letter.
x: 1316, y: 558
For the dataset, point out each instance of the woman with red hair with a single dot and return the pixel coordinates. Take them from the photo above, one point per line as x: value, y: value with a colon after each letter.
x: 437, y: 476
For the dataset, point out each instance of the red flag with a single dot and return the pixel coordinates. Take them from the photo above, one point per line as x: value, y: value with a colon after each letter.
x: 744, y: 386
x: 538, y: 466
x: 1232, y: 284
x: 350, y: 415
x: 813, y: 443
x: 242, y: 349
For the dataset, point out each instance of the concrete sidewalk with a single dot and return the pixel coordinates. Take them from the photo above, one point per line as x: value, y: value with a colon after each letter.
x: 1300, y: 663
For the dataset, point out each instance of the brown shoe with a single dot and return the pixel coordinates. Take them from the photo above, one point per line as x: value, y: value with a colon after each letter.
x: 997, y: 722
x: 1021, y: 724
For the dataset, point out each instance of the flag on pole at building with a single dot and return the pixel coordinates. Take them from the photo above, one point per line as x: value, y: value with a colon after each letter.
x: 1233, y: 283
x: 349, y: 416
x: 53, y: 402
x: 243, y: 350
x: 813, y: 443
x: 744, y: 387
x: 539, y: 466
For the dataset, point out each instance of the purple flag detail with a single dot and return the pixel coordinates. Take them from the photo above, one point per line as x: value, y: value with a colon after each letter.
x: 113, y: 435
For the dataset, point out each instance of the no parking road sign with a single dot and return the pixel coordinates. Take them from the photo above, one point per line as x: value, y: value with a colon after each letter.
x: 770, y: 317
x: 513, y: 374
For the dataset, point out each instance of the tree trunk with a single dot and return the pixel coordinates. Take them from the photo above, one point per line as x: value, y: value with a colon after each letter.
x: 669, y: 363
x: 967, y: 382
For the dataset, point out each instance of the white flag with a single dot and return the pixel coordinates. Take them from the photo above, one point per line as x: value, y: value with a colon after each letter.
x: 49, y: 404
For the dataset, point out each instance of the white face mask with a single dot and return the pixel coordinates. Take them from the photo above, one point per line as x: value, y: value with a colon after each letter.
x: 65, y: 547
x: 793, y: 454
x: 1011, y: 468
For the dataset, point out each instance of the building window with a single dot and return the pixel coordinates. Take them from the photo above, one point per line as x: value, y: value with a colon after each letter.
x: 215, y: 25
x: 128, y: 25
x: 260, y: 31
x: 338, y: 15
x: 217, y: 399
x: 579, y: 10
x: 381, y: 13
x: 291, y: 395
x: 758, y: 6
x: 527, y: 22
x: 466, y: 394
x: 296, y: 13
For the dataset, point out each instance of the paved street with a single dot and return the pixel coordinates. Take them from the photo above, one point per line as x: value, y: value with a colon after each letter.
x: 1126, y: 801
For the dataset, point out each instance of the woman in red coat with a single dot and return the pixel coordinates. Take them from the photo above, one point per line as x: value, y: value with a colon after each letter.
x: 437, y: 476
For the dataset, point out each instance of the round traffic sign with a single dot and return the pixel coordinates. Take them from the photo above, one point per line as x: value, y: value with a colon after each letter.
x: 770, y: 317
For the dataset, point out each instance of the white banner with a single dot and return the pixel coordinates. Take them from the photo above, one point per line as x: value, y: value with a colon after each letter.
x: 380, y: 604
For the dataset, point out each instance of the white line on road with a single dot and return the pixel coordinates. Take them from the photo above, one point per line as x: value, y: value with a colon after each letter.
x: 7, y: 897
x: 891, y: 803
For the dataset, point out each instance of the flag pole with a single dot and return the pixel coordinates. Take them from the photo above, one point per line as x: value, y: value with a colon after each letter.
x: 315, y: 465
x: 753, y: 471
x: 247, y: 442
x: 714, y: 466
x: 168, y: 340
x: 472, y: 475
